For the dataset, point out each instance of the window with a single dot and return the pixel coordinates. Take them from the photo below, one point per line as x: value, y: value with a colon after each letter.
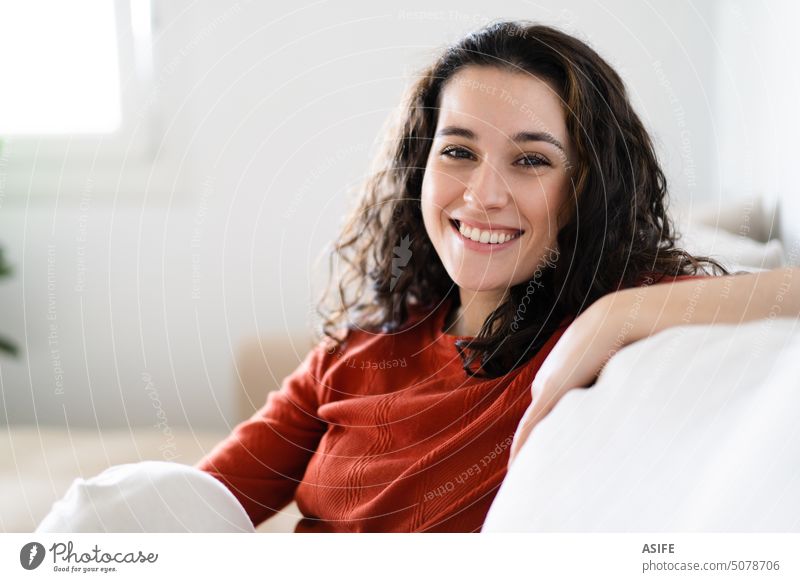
x: 78, y: 103
x: 60, y: 67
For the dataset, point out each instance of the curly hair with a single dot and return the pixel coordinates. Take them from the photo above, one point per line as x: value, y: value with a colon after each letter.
x: 618, y: 231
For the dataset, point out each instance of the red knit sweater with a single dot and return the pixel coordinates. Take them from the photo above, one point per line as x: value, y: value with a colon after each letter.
x: 387, y: 434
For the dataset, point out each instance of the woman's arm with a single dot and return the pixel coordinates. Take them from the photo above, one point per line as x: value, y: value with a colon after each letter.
x: 264, y: 458
x: 629, y: 315
x: 644, y: 311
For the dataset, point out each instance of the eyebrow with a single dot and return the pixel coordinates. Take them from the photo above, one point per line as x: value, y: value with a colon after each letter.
x: 521, y: 136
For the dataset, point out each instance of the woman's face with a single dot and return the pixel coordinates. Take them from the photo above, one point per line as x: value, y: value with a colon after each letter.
x: 496, y: 178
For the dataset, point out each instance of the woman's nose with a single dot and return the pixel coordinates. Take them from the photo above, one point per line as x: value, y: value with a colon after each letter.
x: 487, y: 188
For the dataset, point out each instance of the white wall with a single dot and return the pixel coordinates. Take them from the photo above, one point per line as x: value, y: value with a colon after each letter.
x: 265, y: 114
x: 758, y: 96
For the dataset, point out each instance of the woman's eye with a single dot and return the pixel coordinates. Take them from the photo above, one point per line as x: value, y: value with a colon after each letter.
x: 529, y: 160
x: 534, y: 160
x: 457, y: 153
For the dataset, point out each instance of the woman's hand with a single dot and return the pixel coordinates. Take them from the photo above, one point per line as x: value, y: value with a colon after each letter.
x: 576, y: 360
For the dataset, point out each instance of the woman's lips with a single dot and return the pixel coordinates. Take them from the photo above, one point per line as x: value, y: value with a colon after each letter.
x: 479, y: 246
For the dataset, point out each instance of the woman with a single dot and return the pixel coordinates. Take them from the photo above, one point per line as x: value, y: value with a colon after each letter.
x: 502, y: 253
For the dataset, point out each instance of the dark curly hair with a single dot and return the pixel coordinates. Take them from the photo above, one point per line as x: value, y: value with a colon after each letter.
x: 619, y: 229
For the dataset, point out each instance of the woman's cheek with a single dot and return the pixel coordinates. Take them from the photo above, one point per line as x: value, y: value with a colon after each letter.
x: 436, y: 196
x: 431, y: 209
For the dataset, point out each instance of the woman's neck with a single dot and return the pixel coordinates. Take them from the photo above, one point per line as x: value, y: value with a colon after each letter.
x: 475, y: 307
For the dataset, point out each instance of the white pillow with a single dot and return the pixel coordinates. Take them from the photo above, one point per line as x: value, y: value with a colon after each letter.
x: 694, y: 429
x: 735, y: 252
x: 149, y: 496
x: 731, y: 233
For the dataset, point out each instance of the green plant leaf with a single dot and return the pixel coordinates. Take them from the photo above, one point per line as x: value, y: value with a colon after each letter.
x: 8, y: 347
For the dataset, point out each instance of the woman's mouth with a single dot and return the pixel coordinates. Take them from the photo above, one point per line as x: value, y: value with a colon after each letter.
x: 484, y: 239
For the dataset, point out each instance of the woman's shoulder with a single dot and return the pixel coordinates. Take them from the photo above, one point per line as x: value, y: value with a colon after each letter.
x: 353, y: 340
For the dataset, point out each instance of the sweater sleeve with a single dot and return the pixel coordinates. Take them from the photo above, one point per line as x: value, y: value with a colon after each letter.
x: 264, y: 458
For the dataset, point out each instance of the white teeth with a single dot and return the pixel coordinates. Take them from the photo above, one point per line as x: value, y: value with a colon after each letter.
x: 484, y: 236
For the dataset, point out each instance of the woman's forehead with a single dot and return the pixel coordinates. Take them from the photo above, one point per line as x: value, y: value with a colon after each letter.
x: 486, y: 98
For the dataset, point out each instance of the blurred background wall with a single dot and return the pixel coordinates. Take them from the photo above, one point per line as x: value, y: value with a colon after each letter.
x: 149, y: 247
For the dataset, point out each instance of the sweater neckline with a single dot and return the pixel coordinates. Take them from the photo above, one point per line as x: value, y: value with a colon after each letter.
x: 441, y: 322
x: 444, y: 344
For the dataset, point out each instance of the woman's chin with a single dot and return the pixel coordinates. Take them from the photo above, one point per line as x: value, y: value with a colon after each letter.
x: 478, y: 284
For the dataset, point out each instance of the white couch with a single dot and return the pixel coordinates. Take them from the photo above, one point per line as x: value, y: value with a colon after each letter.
x: 694, y: 429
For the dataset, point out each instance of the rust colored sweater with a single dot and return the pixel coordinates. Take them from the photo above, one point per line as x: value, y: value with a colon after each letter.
x: 388, y: 434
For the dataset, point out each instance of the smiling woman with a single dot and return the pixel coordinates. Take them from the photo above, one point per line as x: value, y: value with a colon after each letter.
x: 519, y: 144
x: 518, y: 189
